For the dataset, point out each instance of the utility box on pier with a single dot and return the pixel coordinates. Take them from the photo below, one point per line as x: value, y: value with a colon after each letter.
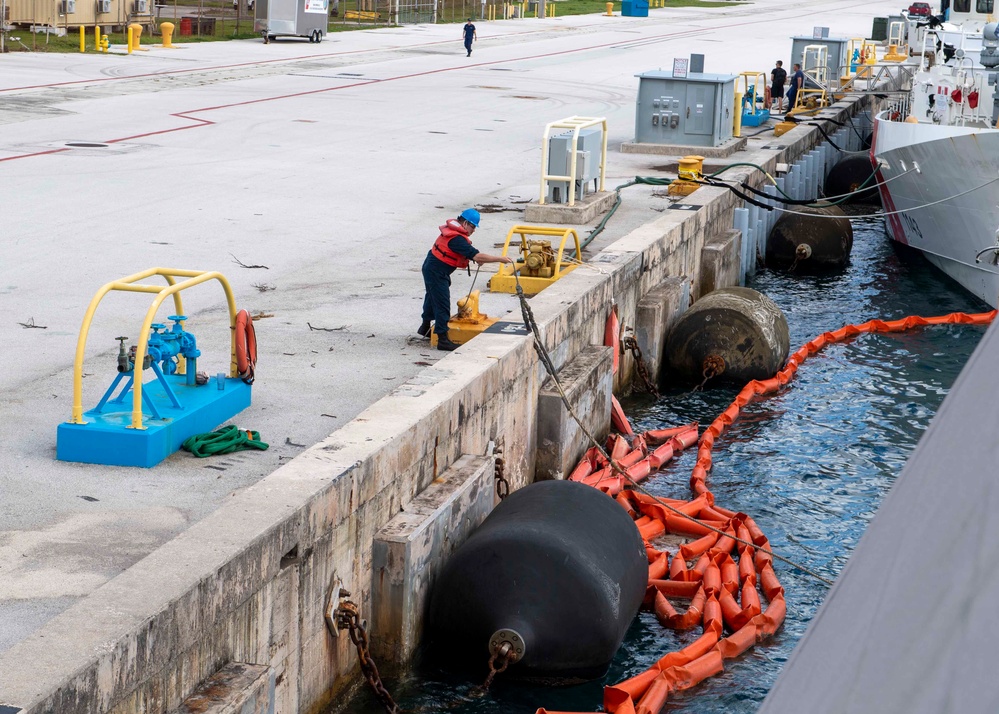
x: 695, y: 110
x: 837, y: 54
x: 589, y: 147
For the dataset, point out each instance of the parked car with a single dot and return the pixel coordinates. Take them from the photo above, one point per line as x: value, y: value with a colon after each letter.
x: 920, y: 8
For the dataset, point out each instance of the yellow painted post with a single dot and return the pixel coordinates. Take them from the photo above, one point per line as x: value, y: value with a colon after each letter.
x: 166, y: 30
x: 83, y: 39
x: 129, y: 40
x: 737, y: 118
x: 105, y: 44
x: 97, y: 38
x: 610, y: 9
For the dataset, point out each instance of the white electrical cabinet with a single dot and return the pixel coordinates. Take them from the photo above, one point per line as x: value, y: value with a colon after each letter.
x: 589, y: 146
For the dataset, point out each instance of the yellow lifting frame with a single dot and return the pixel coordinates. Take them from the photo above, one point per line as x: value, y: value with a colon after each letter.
x: 173, y: 288
x: 505, y: 282
x: 576, y: 124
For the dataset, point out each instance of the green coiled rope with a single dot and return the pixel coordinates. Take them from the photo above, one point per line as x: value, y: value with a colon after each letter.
x: 224, y: 441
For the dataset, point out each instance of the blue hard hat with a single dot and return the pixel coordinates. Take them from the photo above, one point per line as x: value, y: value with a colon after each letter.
x: 470, y: 215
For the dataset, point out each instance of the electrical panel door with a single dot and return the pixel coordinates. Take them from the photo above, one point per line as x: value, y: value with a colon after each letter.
x: 700, y: 110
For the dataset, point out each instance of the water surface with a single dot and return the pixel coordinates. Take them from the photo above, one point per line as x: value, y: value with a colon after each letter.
x: 811, y: 465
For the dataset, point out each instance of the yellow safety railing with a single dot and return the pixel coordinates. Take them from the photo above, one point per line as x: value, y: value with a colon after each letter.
x: 576, y: 124
x: 172, y: 289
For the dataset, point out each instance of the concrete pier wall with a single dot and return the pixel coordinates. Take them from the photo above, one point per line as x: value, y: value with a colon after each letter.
x: 250, y: 582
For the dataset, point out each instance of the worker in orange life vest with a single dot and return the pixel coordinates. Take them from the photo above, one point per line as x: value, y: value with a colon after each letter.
x: 452, y: 249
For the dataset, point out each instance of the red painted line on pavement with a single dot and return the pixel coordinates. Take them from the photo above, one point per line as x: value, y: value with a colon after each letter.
x: 250, y: 64
x: 205, y: 122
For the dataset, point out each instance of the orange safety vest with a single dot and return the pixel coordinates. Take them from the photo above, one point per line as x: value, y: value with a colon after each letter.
x: 443, y: 252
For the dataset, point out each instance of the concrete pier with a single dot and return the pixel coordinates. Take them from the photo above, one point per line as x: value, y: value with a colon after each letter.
x: 124, y: 590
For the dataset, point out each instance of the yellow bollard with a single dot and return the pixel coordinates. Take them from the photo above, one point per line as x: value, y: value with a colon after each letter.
x: 610, y: 9
x: 129, y: 39
x: 83, y: 39
x: 135, y: 33
x: 97, y: 38
x: 166, y: 30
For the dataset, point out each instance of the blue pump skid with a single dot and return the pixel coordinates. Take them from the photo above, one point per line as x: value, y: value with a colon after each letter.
x: 107, y: 436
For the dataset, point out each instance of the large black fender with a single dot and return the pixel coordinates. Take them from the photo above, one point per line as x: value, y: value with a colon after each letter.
x: 558, y: 569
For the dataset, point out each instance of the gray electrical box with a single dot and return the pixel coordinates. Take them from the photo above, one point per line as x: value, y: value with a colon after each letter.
x: 837, y: 54
x: 589, y: 148
x: 141, y: 7
x: 695, y: 110
x: 68, y: 7
x: 103, y: 7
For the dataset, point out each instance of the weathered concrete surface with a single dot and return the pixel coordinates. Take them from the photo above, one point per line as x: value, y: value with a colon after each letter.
x: 587, y: 381
x: 225, y: 591
x: 720, y: 262
x: 655, y: 315
x: 240, y: 568
x: 409, y: 552
x: 237, y: 688
x: 723, y: 150
x: 591, y: 206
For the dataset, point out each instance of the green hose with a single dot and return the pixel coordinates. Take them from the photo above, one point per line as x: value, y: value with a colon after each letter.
x: 223, y: 441
x: 643, y: 180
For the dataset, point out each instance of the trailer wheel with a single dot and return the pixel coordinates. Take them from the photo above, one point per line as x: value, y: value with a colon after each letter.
x: 319, y: 35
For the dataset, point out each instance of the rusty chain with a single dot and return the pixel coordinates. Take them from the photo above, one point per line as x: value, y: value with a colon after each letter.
x: 499, y: 661
x: 713, y: 366
x: 502, y: 485
x: 349, y: 618
x: 630, y: 343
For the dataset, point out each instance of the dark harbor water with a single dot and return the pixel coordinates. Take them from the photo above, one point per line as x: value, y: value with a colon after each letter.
x: 811, y: 465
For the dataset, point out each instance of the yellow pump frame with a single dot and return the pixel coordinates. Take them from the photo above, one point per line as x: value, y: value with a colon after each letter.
x: 173, y: 288
x: 506, y: 282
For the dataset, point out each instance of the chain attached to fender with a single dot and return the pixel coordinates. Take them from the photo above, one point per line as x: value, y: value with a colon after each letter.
x: 500, y: 660
x: 502, y: 485
x: 713, y: 366
x: 348, y: 618
x: 631, y: 344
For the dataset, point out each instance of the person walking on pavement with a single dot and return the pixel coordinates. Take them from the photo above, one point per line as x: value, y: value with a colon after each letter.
x: 452, y: 249
x: 778, y: 75
x: 469, y: 33
x: 797, y: 82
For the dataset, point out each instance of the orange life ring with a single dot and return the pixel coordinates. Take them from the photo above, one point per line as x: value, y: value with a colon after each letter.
x: 246, y: 346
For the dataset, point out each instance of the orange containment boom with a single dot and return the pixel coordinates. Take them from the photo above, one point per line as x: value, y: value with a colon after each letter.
x: 732, y: 586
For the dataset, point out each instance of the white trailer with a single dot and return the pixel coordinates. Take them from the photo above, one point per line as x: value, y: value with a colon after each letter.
x: 291, y: 18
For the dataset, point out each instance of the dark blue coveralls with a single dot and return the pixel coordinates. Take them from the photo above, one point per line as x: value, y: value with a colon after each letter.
x: 437, y: 278
x: 469, y: 30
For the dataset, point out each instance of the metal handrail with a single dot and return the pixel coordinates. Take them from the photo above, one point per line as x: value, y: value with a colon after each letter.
x: 173, y: 289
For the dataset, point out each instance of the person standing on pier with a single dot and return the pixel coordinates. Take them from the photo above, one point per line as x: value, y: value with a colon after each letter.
x: 469, y: 33
x: 797, y: 83
x: 778, y: 75
x: 452, y: 249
